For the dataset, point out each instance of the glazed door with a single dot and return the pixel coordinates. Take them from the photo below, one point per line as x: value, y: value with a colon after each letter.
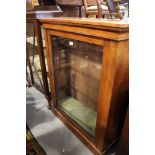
x: 76, y: 68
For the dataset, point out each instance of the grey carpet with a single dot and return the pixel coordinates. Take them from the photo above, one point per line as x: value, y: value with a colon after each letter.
x: 50, y: 132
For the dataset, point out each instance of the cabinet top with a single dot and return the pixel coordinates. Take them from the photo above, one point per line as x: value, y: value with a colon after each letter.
x: 88, y: 22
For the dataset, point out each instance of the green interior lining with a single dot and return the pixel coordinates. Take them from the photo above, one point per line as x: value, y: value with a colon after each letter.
x: 80, y: 113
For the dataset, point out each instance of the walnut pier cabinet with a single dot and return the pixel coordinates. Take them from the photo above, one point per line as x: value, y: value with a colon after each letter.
x: 88, y: 71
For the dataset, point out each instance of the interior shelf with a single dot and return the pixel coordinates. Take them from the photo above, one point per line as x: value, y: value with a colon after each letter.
x: 83, y: 115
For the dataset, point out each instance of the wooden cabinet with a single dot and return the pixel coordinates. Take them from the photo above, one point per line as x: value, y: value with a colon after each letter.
x: 35, y: 47
x: 88, y: 71
x: 36, y: 58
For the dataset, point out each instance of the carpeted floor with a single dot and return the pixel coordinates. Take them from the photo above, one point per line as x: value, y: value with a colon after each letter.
x: 54, y: 137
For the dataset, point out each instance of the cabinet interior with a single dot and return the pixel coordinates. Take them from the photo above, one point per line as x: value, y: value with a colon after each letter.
x: 77, y: 67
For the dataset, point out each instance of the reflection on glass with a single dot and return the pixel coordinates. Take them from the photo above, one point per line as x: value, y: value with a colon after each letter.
x: 77, y: 70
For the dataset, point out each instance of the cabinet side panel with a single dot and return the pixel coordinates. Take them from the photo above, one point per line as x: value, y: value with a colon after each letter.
x: 120, y: 94
x: 49, y: 61
x: 123, y: 146
x: 106, y: 85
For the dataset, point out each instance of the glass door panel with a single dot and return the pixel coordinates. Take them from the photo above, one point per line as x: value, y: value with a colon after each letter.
x: 77, y: 69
